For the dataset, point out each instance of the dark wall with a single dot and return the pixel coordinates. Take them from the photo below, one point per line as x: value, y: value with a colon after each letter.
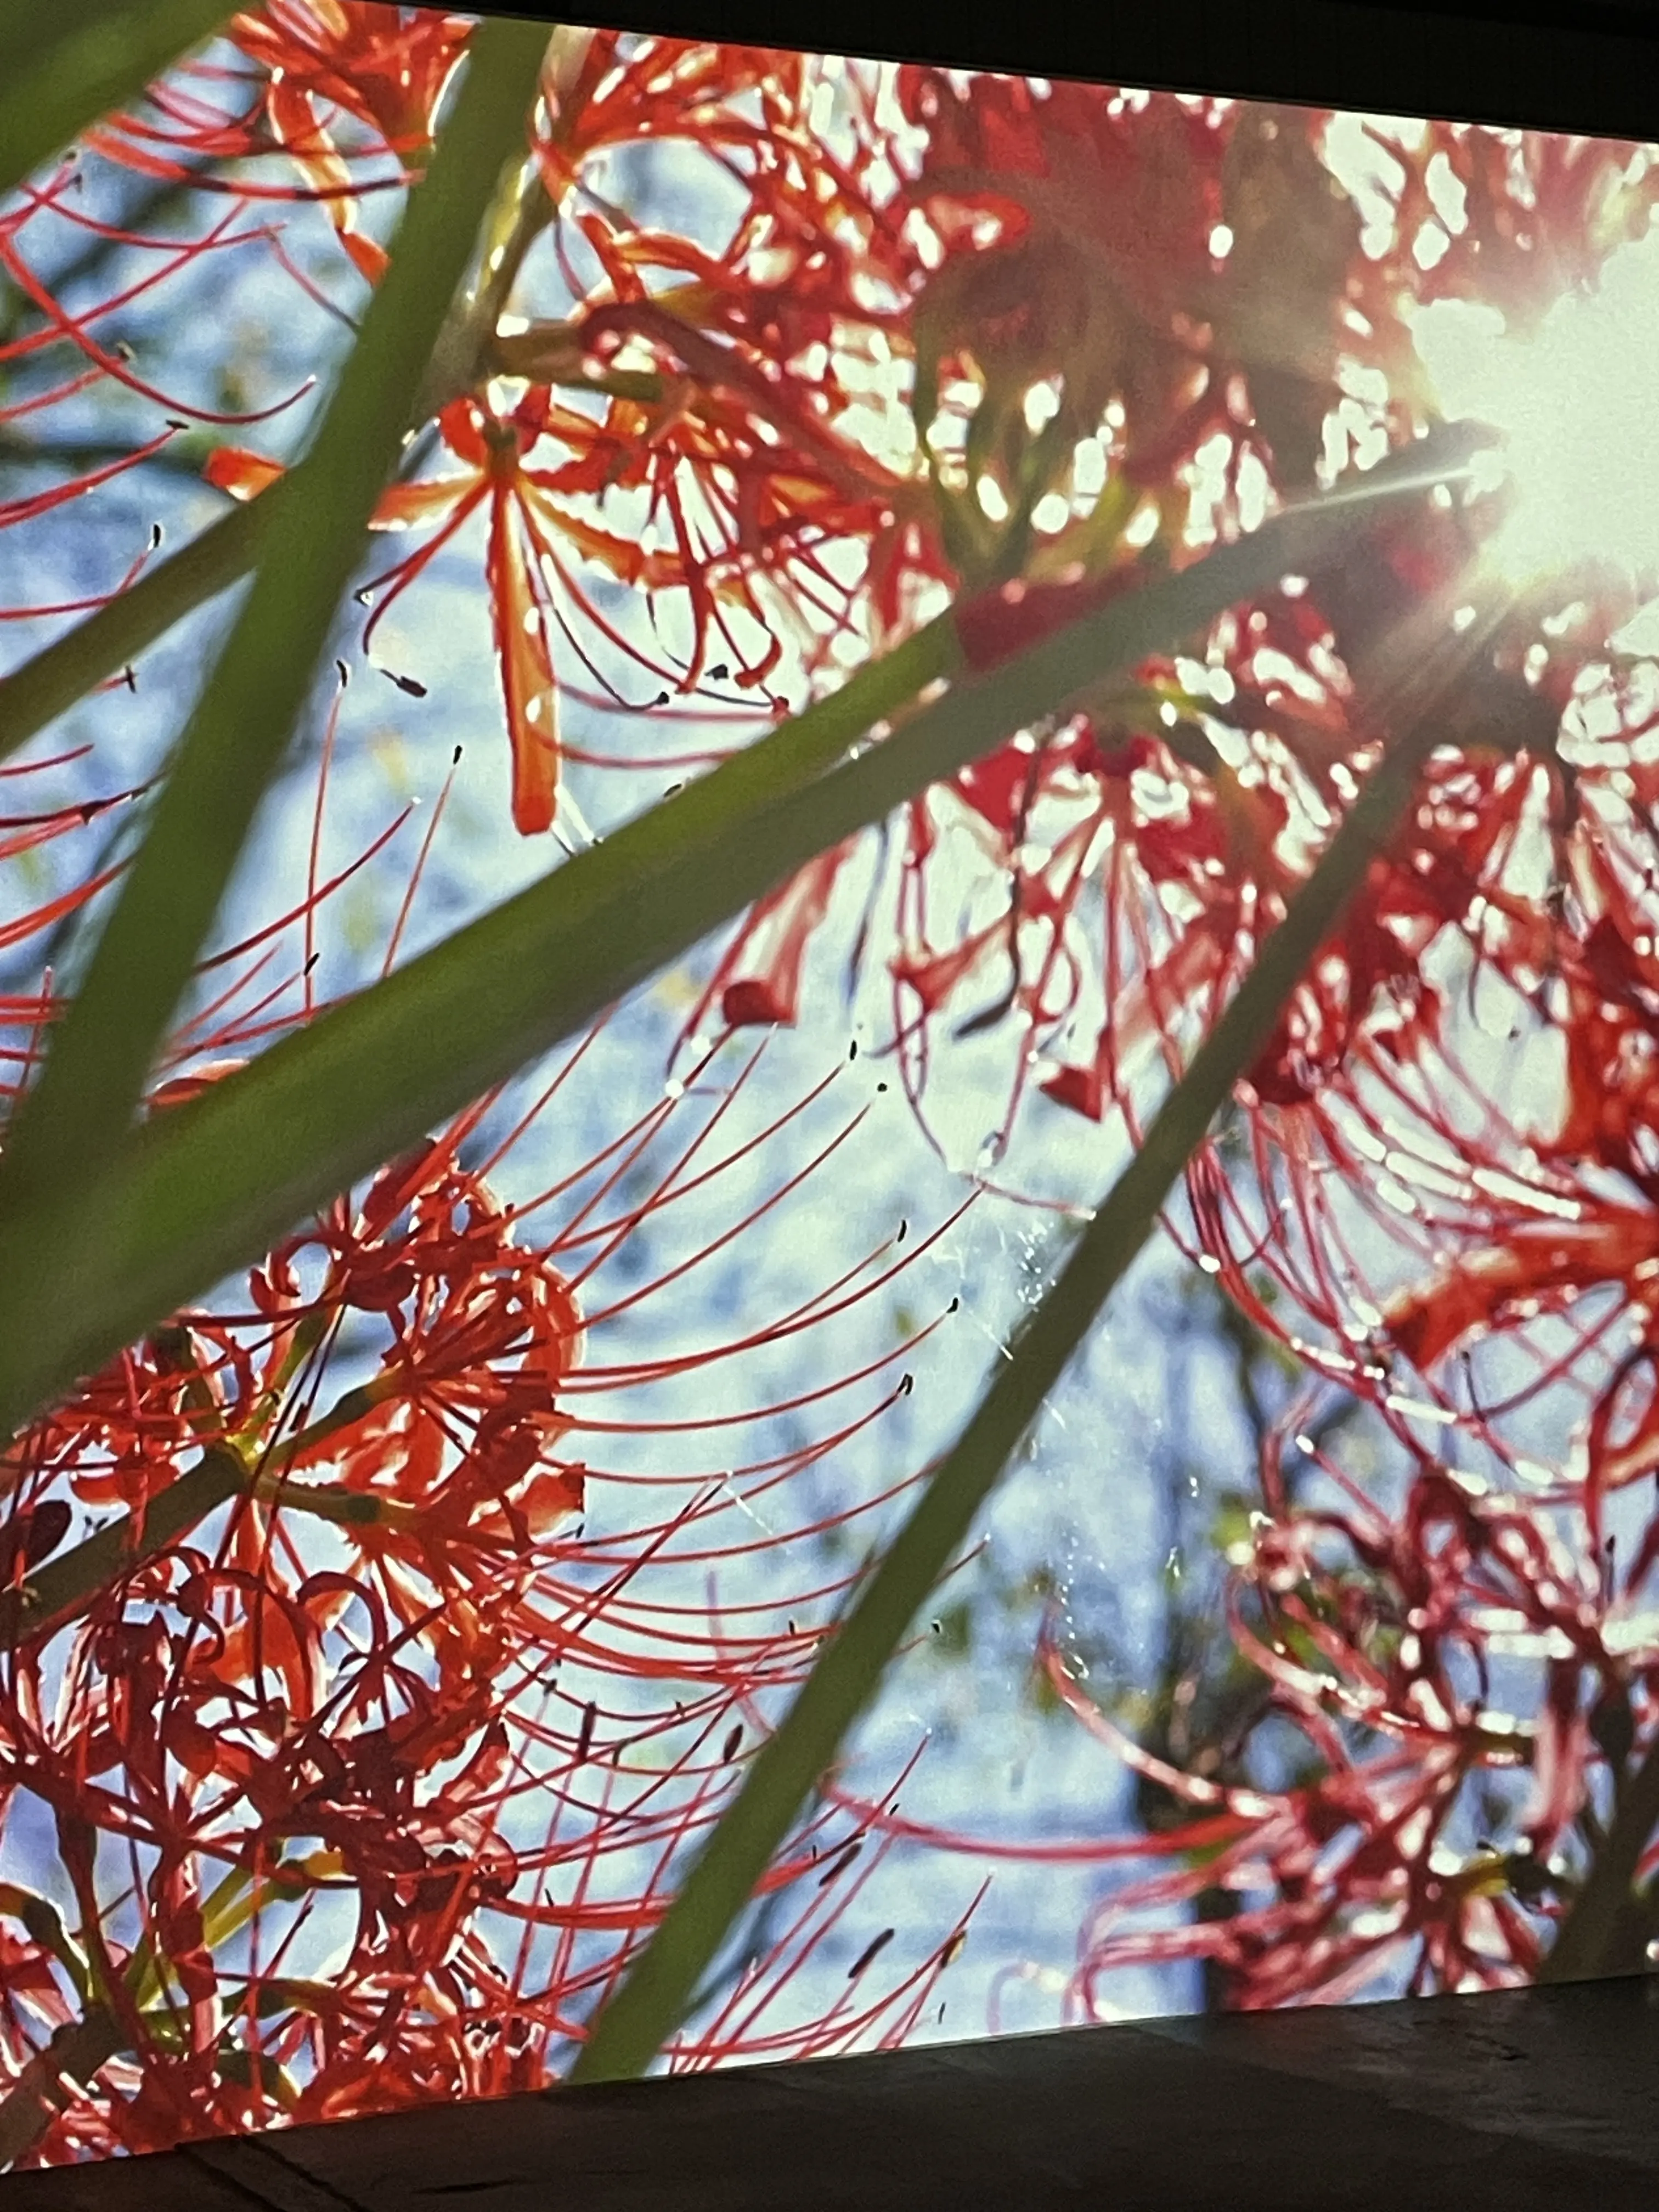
x: 1585, y: 66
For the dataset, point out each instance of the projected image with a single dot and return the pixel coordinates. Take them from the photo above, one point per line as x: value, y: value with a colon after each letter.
x: 829, y: 1213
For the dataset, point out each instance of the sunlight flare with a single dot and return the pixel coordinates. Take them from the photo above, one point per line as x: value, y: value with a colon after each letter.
x: 1575, y: 402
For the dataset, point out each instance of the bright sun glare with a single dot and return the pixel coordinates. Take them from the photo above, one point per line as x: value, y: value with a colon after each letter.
x: 1578, y: 404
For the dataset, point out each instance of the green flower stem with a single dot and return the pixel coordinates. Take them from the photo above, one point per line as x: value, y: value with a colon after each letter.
x: 332, y: 1501
x: 101, y: 1053
x: 45, y: 1924
x: 652, y: 2001
x: 77, y: 2050
x: 209, y: 1187
x: 61, y: 1591
x: 65, y: 66
x: 1594, y: 1935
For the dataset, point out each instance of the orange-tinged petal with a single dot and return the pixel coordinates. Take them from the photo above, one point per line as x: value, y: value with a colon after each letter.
x: 245, y: 474
x: 370, y: 258
x: 241, y: 471
x: 402, y: 504
x: 772, y: 947
x: 524, y: 654
x: 624, y: 558
x: 1542, y: 1260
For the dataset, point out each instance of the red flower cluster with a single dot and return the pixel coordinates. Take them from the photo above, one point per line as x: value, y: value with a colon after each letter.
x: 347, y: 1657
x: 990, y: 342
x: 1467, y: 1664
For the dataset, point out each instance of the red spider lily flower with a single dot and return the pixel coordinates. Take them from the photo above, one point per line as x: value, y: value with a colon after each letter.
x: 370, y: 1777
x: 1448, y: 1692
x: 1579, y: 1240
x: 775, y: 486
x: 629, y: 87
x: 1599, y: 1166
x: 728, y: 410
x: 1514, y: 219
x: 347, y: 1692
x: 788, y: 503
x: 369, y: 1780
x: 1013, y: 177
x: 1054, y: 173
x: 1415, y: 1203
x: 361, y: 1690
x: 1182, y: 263
x: 524, y: 571
x: 385, y: 67
x: 1185, y: 823
x: 816, y: 254
x: 330, y: 74
x: 1400, y: 1852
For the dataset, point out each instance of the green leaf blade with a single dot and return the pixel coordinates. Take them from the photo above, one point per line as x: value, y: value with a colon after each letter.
x: 652, y: 2001
x: 61, y: 674
x: 65, y: 67
x: 207, y: 1187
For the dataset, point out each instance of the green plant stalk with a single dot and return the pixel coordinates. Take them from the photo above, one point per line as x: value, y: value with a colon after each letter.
x: 101, y: 1053
x: 1595, y: 1928
x: 88, y: 60
x: 45, y: 1924
x: 62, y: 1590
x: 651, y: 2001
x: 65, y: 1587
x: 209, y: 1187
x: 77, y: 2048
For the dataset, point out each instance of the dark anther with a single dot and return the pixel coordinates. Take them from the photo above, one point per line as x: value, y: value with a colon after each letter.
x: 869, y: 1952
